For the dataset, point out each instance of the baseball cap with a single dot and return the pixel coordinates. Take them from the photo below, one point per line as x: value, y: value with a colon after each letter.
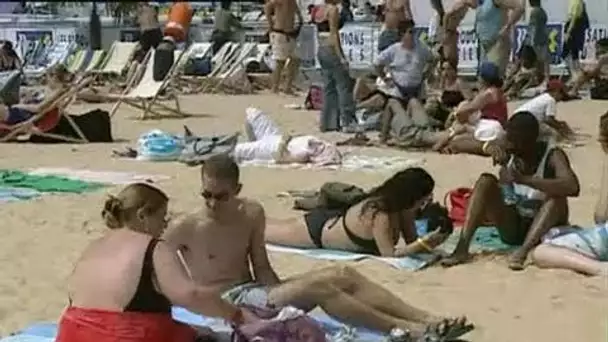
x: 555, y: 85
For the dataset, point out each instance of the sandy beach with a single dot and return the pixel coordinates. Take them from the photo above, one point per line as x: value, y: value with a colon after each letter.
x: 43, y: 238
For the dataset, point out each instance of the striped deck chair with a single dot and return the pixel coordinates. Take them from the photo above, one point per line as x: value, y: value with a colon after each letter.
x: 232, y: 64
x: 117, y: 59
x: 145, y: 94
x: 55, y: 54
x: 41, y: 123
x: 195, y: 50
x: 76, y: 61
x: 94, y: 61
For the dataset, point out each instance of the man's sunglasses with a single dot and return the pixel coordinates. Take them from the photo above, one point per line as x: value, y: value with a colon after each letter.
x: 218, y: 197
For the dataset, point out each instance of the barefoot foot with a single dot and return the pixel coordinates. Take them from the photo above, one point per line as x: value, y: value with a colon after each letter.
x: 455, y: 259
x: 517, y: 260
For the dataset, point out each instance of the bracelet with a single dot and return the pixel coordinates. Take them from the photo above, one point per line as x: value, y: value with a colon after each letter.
x: 424, y: 245
x: 484, y: 147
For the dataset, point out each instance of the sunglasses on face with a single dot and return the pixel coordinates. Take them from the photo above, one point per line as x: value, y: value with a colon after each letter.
x: 221, y: 196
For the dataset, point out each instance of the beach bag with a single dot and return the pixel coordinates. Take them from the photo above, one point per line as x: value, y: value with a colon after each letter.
x: 314, y: 98
x: 600, y: 90
x: 199, y: 149
x: 198, y: 66
x: 157, y: 145
x: 286, y: 325
x: 337, y: 195
x: 457, y: 202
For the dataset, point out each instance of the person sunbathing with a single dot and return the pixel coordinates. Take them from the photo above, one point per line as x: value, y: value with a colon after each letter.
x: 526, y: 72
x: 372, y: 225
x: 582, y: 250
x: 223, y: 244
x: 589, y: 72
x: 124, y: 284
x: 528, y: 199
x: 452, y: 92
x: 544, y: 108
x: 266, y: 142
x: 477, y: 121
x: 59, y: 82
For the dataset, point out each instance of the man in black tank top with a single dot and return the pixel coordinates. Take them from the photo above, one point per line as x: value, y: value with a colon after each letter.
x: 528, y: 198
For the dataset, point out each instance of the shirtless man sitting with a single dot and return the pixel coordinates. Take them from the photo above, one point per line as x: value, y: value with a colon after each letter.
x: 395, y: 13
x: 223, y: 246
x: 528, y: 198
x: 283, y: 34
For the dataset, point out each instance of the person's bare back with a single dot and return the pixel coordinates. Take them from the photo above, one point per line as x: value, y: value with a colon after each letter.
x: 147, y: 17
x: 397, y: 11
x: 218, y: 253
x: 284, y: 15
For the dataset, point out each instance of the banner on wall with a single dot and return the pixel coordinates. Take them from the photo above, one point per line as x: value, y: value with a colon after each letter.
x: 555, y: 40
x: 358, y: 45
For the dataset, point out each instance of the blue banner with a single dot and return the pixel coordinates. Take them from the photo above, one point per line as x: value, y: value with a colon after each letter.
x: 555, y: 40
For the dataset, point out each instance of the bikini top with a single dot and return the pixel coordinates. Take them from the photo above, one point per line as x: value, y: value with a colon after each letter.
x: 369, y: 246
x: 323, y: 26
x: 451, y: 98
x: 146, y: 298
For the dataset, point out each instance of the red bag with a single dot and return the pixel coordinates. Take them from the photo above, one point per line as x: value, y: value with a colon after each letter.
x: 458, y: 204
x: 314, y: 98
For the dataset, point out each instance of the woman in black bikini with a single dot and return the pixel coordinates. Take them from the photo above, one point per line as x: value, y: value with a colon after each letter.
x: 373, y: 225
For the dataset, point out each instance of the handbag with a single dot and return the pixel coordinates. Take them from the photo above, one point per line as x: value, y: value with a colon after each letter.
x: 285, y: 325
x: 457, y: 201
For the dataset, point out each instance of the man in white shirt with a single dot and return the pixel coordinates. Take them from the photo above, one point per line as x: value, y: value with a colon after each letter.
x: 544, y: 108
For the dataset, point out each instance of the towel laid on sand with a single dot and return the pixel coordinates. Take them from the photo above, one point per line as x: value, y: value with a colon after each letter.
x: 336, y: 331
x: 106, y: 177
x: 17, y: 194
x: 486, y: 239
x: 42, y: 183
x: 349, y: 163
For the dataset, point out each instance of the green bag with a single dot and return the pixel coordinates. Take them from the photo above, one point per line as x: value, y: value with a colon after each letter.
x: 337, y: 195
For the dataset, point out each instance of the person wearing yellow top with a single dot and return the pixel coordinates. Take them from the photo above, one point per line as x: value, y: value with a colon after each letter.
x: 574, y: 33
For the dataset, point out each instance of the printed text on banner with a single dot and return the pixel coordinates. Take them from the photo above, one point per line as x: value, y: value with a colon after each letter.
x: 358, y: 45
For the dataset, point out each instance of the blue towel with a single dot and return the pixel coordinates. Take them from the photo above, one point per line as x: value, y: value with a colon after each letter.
x: 486, y: 239
x: 17, y: 194
x: 46, y: 332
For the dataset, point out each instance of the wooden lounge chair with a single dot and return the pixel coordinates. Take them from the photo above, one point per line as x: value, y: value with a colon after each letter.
x: 145, y: 94
x: 41, y: 123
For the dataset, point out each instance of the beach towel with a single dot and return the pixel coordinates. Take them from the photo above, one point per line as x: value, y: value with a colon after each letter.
x: 486, y: 239
x: 44, y: 183
x: 105, y: 177
x: 157, y: 145
x: 17, y: 194
x: 349, y: 163
x: 335, y: 331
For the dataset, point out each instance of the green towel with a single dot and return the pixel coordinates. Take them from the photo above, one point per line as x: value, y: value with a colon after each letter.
x: 486, y: 239
x: 19, y: 179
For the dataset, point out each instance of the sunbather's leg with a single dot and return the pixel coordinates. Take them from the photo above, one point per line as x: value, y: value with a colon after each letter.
x: 362, y: 89
x: 344, y: 293
x: 260, y: 124
x: 547, y: 256
x: 581, y: 78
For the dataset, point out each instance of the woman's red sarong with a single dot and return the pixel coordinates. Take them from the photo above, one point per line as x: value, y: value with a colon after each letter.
x: 91, y: 325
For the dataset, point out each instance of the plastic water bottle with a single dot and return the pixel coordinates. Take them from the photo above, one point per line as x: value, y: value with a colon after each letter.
x: 398, y: 335
x: 508, y: 193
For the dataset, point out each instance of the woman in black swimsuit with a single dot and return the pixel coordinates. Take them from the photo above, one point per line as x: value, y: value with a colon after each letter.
x: 125, y: 283
x: 373, y: 225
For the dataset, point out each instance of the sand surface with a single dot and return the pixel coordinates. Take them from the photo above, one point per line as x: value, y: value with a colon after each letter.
x: 43, y: 238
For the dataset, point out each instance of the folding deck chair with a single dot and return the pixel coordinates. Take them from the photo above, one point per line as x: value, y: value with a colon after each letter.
x: 41, y: 123
x: 76, y: 62
x: 117, y: 59
x: 231, y: 65
x: 95, y: 61
x: 146, y: 93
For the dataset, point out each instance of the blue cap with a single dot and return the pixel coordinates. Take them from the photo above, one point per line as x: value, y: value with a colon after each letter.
x: 489, y: 72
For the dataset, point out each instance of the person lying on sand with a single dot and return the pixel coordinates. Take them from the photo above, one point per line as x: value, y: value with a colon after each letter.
x: 125, y: 283
x: 528, y: 198
x: 372, y: 225
x: 59, y: 82
x: 223, y: 244
x: 481, y: 118
x: 544, y: 108
x: 266, y: 142
x: 584, y: 250
x: 591, y: 71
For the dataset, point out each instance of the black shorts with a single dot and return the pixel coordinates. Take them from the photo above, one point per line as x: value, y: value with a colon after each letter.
x: 149, y: 39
